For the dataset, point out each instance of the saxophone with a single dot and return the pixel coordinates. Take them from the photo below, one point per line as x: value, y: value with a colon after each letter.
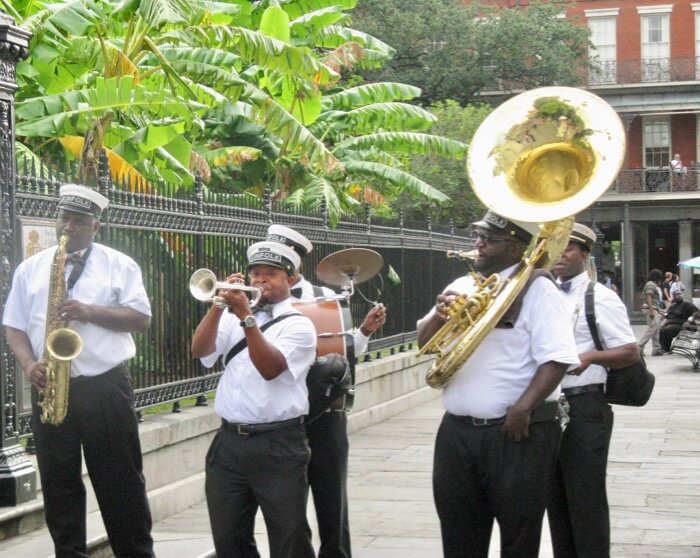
x: 540, y: 157
x: 61, y: 345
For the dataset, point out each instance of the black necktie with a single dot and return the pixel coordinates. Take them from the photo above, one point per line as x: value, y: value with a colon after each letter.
x: 565, y: 286
x: 78, y: 262
x: 296, y: 292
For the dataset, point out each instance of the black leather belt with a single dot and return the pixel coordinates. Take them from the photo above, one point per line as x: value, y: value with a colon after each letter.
x: 118, y: 369
x: 578, y: 390
x: 545, y: 412
x: 261, y: 428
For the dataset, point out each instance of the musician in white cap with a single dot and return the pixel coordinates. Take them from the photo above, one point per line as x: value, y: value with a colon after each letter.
x: 579, y: 518
x: 106, y: 300
x: 498, y: 439
x: 328, y: 433
x: 260, y: 455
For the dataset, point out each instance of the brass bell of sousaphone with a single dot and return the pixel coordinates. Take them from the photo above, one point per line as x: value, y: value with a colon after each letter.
x: 540, y: 157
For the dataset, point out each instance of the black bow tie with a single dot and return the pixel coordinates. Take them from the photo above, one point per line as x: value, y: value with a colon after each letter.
x: 75, y: 257
x: 565, y: 286
x: 267, y: 308
x: 296, y: 292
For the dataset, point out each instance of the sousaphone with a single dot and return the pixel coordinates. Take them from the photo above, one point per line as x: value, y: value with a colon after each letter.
x: 540, y: 157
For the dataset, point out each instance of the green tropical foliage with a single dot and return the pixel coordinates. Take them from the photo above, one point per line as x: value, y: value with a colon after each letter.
x: 248, y: 94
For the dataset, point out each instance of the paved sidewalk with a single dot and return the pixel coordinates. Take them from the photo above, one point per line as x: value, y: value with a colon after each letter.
x: 652, y: 477
x: 653, y: 483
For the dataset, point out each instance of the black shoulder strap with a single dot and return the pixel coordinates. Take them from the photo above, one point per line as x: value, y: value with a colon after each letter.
x: 589, y: 304
x: 318, y: 291
x: 511, y: 315
x: 238, y: 347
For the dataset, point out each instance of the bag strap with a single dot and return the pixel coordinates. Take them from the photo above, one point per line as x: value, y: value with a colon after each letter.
x: 589, y: 304
x: 243, y: 343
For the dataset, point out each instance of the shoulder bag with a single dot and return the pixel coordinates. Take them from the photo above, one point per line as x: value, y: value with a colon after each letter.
x: 631, y: 385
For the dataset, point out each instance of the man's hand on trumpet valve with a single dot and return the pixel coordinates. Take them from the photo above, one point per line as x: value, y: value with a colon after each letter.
x: 236, y: 300
x: 442, y: 304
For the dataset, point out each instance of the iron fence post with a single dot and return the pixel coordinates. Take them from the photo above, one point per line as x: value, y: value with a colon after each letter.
x: 202, y: 400
x: 17, y: 473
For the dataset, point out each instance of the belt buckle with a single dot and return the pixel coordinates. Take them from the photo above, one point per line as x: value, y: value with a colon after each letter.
x: 480, y: 421
x: 241, y: 430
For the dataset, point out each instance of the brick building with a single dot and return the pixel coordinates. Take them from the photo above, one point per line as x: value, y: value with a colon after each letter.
x: 647, y: 60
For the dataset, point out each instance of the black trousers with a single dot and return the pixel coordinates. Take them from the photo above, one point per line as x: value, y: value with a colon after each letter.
x: 480, y: 475
x: 266, y: 470
x: 101, y: 420
x: 577, y: 510
x: 667, y: 334
x: 328, y: 475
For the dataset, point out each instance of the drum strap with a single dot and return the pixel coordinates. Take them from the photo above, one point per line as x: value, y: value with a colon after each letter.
x: 243, y: 343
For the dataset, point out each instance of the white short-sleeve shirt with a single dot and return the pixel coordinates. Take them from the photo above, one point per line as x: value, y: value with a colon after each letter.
x: 504, y: 363
x: 613, y: 326
x: 110, y: 279
x: 243, y: 395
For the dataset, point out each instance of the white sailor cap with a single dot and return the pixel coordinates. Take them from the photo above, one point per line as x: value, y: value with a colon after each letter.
x: 274, y: 254
x: 81, y: 199
x: 583, y: 235
x: 289, y: 237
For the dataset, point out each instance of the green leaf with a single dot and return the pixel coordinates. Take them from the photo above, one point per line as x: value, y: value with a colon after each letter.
x: 402, y: 179
x: 312, y: 22
x: 275, y: 23
x: 297, y: 8
x: 297, y: 138
x: 407, y: 142
x: 381, y: 116
x: 370, y: 93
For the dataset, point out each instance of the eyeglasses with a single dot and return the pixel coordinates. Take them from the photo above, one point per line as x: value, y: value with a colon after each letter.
x: 488, y: 239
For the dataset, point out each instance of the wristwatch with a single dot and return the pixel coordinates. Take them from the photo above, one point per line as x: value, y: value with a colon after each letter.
x: 249, y: 321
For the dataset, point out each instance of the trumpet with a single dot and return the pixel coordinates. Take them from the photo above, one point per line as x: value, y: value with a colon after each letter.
x: 203, y: 286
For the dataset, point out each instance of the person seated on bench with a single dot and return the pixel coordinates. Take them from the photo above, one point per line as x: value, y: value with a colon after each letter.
x: 676, y: 315
x: 692, y: 323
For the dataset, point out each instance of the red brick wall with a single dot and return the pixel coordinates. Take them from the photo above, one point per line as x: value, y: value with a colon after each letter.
x: 683, y: 137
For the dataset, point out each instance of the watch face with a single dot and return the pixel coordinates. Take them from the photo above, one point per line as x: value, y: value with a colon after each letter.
x: 249, y: 322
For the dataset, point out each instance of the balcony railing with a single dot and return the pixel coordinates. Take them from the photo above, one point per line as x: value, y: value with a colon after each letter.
x: 647, y: 70
x: 649, y: 179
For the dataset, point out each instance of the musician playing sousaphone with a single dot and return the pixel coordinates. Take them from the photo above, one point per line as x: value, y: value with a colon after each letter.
x: 260, y: 455
x: 502, y: 335
x: 499, y: 435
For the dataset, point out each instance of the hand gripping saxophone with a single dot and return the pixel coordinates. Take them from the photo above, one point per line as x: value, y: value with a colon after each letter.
x: 540, y: 157
x: 61, y: 345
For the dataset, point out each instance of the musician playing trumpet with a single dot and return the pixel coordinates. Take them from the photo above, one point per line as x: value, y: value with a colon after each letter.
x: 260, y: 455
x: 496, y: 445
x: 327, y: 434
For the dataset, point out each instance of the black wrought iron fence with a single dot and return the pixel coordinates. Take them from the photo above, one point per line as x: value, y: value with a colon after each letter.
x: 171, y: 236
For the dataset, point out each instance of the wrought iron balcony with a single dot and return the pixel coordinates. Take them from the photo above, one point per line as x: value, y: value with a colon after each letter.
x: 646, y: 70
x: 656, y: 179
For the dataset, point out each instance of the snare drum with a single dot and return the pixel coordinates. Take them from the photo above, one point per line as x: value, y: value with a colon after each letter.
x: 333, y: 323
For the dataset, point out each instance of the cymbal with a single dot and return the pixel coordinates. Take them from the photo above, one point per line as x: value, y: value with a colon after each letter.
x: 355, y: 265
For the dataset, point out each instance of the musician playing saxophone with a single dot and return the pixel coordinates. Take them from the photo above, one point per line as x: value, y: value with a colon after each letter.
x: 106, y: 300
x: 496, y: 445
